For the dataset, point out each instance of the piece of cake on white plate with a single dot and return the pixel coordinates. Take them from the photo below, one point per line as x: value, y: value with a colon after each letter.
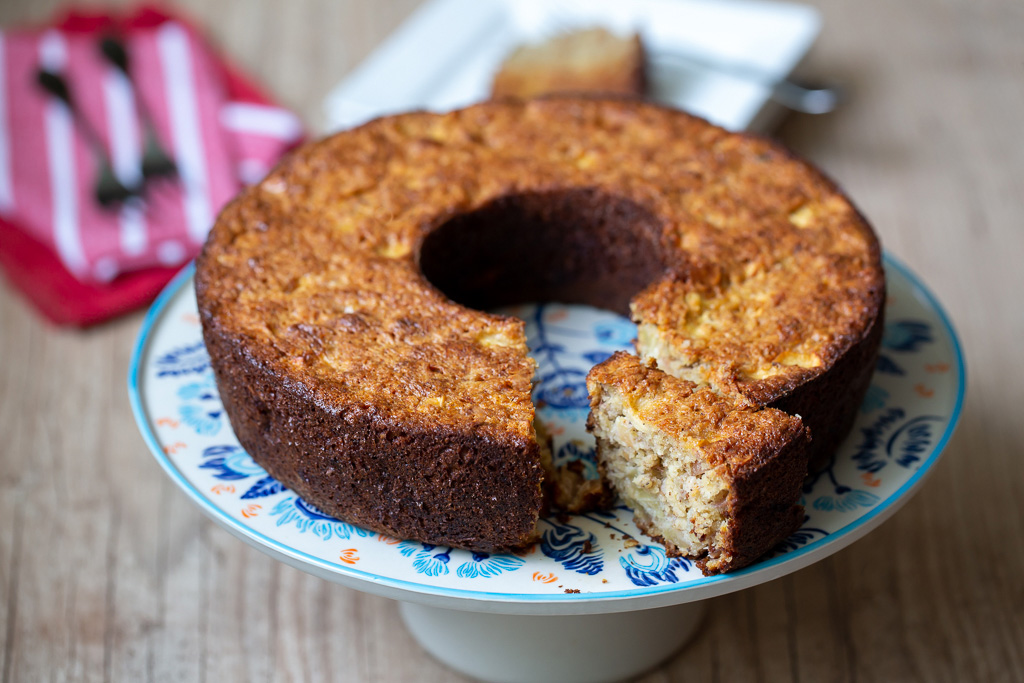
x: 590, y: 60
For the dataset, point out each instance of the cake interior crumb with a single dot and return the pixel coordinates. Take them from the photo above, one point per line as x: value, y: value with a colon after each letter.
x: 673, y: 490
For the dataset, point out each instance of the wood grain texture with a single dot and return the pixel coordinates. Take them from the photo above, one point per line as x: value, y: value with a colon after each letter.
x: 108, y: 572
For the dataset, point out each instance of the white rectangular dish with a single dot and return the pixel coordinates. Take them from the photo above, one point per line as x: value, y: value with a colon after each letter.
x: 444, y: 56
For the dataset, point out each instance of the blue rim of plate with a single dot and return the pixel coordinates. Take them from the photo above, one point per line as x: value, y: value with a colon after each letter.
x: 326, y: 568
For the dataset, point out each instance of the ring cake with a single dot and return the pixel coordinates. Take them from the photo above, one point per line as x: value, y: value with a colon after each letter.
x: 341, y: 306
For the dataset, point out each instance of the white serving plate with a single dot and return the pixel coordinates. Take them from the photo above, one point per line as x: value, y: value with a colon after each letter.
x: 445, y: 55
x: 907, y: 418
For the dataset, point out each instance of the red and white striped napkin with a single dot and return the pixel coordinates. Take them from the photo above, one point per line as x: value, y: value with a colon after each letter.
x: 220, y: 130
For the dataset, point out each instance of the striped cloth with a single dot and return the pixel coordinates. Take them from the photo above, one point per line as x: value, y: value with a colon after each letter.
x: 220, y: 131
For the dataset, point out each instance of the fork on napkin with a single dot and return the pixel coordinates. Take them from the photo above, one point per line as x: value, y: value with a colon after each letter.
x: 78, y: 260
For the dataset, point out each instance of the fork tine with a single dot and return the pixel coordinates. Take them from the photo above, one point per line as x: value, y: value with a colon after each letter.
x: 109, y: 190
x: 155, y: 161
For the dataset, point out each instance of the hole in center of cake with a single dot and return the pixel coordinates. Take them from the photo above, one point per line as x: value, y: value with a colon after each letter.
x: 562, y: 252
x: 578, y: 246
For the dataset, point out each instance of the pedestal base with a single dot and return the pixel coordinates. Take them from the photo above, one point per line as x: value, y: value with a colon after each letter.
x: 591, y: 648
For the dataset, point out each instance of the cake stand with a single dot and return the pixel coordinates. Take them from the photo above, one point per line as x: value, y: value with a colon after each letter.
x: 595, y: 600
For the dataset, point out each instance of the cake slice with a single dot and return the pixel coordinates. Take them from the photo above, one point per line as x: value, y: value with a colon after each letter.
x: 584, y: 61
x: 713, y: 479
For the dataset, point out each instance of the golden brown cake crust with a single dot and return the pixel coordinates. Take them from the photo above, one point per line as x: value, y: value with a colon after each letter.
x: 680, y: 408
x: 329, y: 344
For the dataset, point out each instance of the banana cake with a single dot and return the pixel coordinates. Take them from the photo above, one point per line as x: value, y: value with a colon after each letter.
x: 342, y: 303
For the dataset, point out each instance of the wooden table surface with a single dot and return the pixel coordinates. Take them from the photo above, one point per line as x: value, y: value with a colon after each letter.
x: 108, y: 572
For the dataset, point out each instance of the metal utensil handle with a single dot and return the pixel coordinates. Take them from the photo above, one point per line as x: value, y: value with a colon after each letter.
x: 57, y: 85
x: 785, y: 91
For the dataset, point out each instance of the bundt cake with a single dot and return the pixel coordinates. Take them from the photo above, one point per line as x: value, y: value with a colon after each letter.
x: 341, y: 303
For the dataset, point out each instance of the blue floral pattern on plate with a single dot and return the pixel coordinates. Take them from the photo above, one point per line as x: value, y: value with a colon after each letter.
x: 904, y: 420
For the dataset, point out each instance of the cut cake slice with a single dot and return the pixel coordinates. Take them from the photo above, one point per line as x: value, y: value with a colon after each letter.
x: 584, y: 61
x: 712, y: 479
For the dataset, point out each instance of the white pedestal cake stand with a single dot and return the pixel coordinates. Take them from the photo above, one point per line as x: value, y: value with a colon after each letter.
x: 594, y: 600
